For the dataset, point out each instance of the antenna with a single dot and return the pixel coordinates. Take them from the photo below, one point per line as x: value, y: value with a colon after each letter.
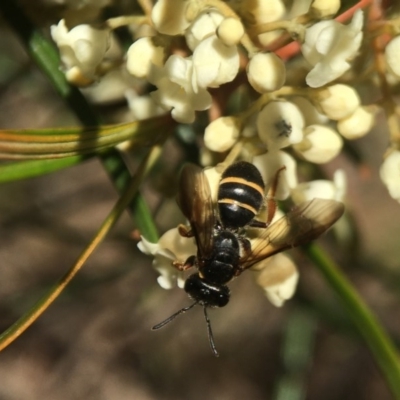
x: 173, y: 316
x: 210, y: 334
x: 182, y: 311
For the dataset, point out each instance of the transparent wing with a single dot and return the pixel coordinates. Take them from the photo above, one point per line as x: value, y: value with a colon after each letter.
x: 194, y: 200
x: 300, y: 226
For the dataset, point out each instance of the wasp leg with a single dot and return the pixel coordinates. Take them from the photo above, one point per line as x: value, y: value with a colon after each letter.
x: 246, y: 245
x: 258, y: 224
x: 186, y: 265
x: 271, y: 202
x: 185, y: 231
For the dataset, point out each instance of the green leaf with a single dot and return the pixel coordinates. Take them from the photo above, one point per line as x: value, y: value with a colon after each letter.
x: 379, y: 342
x: 67, y: 142
x: 29, y: 169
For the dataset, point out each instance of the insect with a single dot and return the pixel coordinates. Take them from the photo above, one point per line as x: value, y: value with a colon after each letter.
x: 223, y: 251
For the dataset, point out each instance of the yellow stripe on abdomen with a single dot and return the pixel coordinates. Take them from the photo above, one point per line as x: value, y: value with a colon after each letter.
x: 234, y: 179
x: 243, y: 205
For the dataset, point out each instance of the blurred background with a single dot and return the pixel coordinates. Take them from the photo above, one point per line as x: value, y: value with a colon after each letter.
x: 95, y: 341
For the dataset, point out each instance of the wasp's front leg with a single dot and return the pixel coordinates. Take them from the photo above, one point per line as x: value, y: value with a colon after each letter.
x: 185, y: 231
x: 189, y: 263
x: 271, y: 202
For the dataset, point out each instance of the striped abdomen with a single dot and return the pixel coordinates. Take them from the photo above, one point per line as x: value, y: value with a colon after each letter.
x: 240, y: 194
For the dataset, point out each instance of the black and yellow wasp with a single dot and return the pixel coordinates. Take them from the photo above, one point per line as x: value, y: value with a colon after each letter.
x: 223, y: 250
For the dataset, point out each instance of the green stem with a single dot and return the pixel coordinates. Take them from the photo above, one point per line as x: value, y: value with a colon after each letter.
x: 380, y: 344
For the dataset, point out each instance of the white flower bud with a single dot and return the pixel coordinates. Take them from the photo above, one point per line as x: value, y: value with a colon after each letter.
x: 230, y: 31
x: 357, y: 124
x: 203, y: 26
x: 206, y: 157
x: 82, y: 49
x: 215, y: 63
x: 322, y: 189
x: 170, y: 19
x: 337, y: 101
x: 213, y: 176
x: 266, y: 72
x: 142, y: 55
x: 392, y: 56
x: 324, y: 8
x: 390, y: 174
x: 310, y: 113
x: 259, y: 12
x: 142, y: 107
x: 269, y: 163
x: 299, y: 8
x: 110, y: 88
x: 320, y: 144
x: 280, y: 124
x: 329, y: 46
x: 278, y: 276
x: 222, y: 133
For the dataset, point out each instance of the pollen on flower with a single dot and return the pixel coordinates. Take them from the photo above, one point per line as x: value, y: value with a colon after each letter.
x: 280, y: 124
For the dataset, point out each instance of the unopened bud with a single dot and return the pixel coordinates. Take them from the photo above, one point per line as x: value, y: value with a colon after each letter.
x: 266, y: 72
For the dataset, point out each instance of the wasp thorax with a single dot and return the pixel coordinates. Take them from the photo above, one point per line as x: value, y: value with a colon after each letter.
x: 205, y: 293
x: 220, y: 268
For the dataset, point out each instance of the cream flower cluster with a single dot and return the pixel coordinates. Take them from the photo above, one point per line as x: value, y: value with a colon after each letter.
x: 313, y: 127
x: 182, y: 82
x: 196, y: 53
